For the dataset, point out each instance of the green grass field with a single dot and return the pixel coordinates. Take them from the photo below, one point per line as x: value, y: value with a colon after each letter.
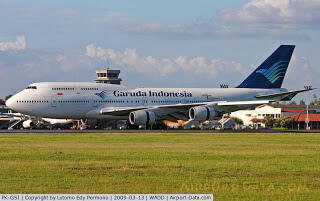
x: 238, y: 166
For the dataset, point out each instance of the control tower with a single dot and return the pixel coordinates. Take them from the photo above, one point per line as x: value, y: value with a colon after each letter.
x: 108, y: 76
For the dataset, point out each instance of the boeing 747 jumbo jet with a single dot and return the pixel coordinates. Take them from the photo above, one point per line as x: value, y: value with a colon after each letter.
x: 146, y: 106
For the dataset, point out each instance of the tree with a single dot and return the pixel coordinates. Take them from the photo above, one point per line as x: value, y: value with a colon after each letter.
x: 276, y: 123
x: 292, y: 103
x: 238, y: 121
x: 285, y: 122
x: 315, y: 100
x: 302, y: 103
x: 8, y: 96
x: 268, y: 122
x: 314, y: 96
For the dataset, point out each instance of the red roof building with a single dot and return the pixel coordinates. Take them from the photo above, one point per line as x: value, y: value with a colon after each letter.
x: 313, y: 117
x: 299, y: 121
x: 293, y: 110
x: 256, y: 120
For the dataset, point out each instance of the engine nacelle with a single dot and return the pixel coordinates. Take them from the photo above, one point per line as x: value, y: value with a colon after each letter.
x: 202, y: 113
x: 142, y: 117
x: 27, y: 124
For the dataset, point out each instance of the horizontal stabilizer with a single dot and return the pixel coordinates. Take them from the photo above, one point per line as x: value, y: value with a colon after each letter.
x: 283, y: 96
x: 234, y: 103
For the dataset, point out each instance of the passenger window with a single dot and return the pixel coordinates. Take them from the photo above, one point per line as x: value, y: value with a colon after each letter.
x: 31, y: 87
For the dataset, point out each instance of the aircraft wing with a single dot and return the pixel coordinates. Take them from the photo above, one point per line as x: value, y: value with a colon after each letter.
x: 180, y: 111
x: 283, y: 96
x: 122, y: 111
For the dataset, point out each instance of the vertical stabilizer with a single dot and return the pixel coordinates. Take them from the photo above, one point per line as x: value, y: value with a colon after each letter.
x: 271, y: 72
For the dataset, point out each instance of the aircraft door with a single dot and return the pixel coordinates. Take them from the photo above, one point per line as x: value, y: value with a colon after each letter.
x: 94, y: 102
x: 53, y: 102
x: 144, y: 101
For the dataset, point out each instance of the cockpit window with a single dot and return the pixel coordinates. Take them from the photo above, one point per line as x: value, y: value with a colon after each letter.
x: 31, y: 87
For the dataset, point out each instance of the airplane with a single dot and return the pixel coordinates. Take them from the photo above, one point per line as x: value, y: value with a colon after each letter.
x: 147, y: 106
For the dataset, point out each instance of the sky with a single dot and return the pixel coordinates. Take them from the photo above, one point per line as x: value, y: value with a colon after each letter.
x: 164, y: 43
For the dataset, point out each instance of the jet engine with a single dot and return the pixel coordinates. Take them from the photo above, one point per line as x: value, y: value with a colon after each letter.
x: 27, y: 124
x: 142, y: 117
x: 202, y: 113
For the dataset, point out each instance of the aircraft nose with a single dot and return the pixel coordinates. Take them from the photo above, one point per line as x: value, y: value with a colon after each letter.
x: 10, y: 103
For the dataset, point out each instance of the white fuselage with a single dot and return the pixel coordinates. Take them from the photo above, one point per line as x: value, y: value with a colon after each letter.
x: 80, y: 100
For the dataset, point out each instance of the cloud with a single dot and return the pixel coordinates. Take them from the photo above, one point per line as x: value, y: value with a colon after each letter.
x: 20, y: 68
x: 165, y: 66
x: 61, y: 58
x: 70, y: 63
x: 67, y: 12
x: 173, y: 29
x: 275, y: 14
x: 20, y: 44
x: 40, y: 64
x: 257, y: 18
x: 116, y: 18
x: 298, y: 66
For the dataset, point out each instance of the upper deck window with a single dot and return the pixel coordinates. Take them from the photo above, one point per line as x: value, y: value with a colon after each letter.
x: 89, y: 88
x: 31, y: 87
x: 63, y: 88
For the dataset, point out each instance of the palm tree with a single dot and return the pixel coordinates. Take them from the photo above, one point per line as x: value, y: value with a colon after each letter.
x: 268, y: 122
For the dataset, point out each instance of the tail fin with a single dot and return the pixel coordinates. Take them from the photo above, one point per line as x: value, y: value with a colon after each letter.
x: 271, y: 72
